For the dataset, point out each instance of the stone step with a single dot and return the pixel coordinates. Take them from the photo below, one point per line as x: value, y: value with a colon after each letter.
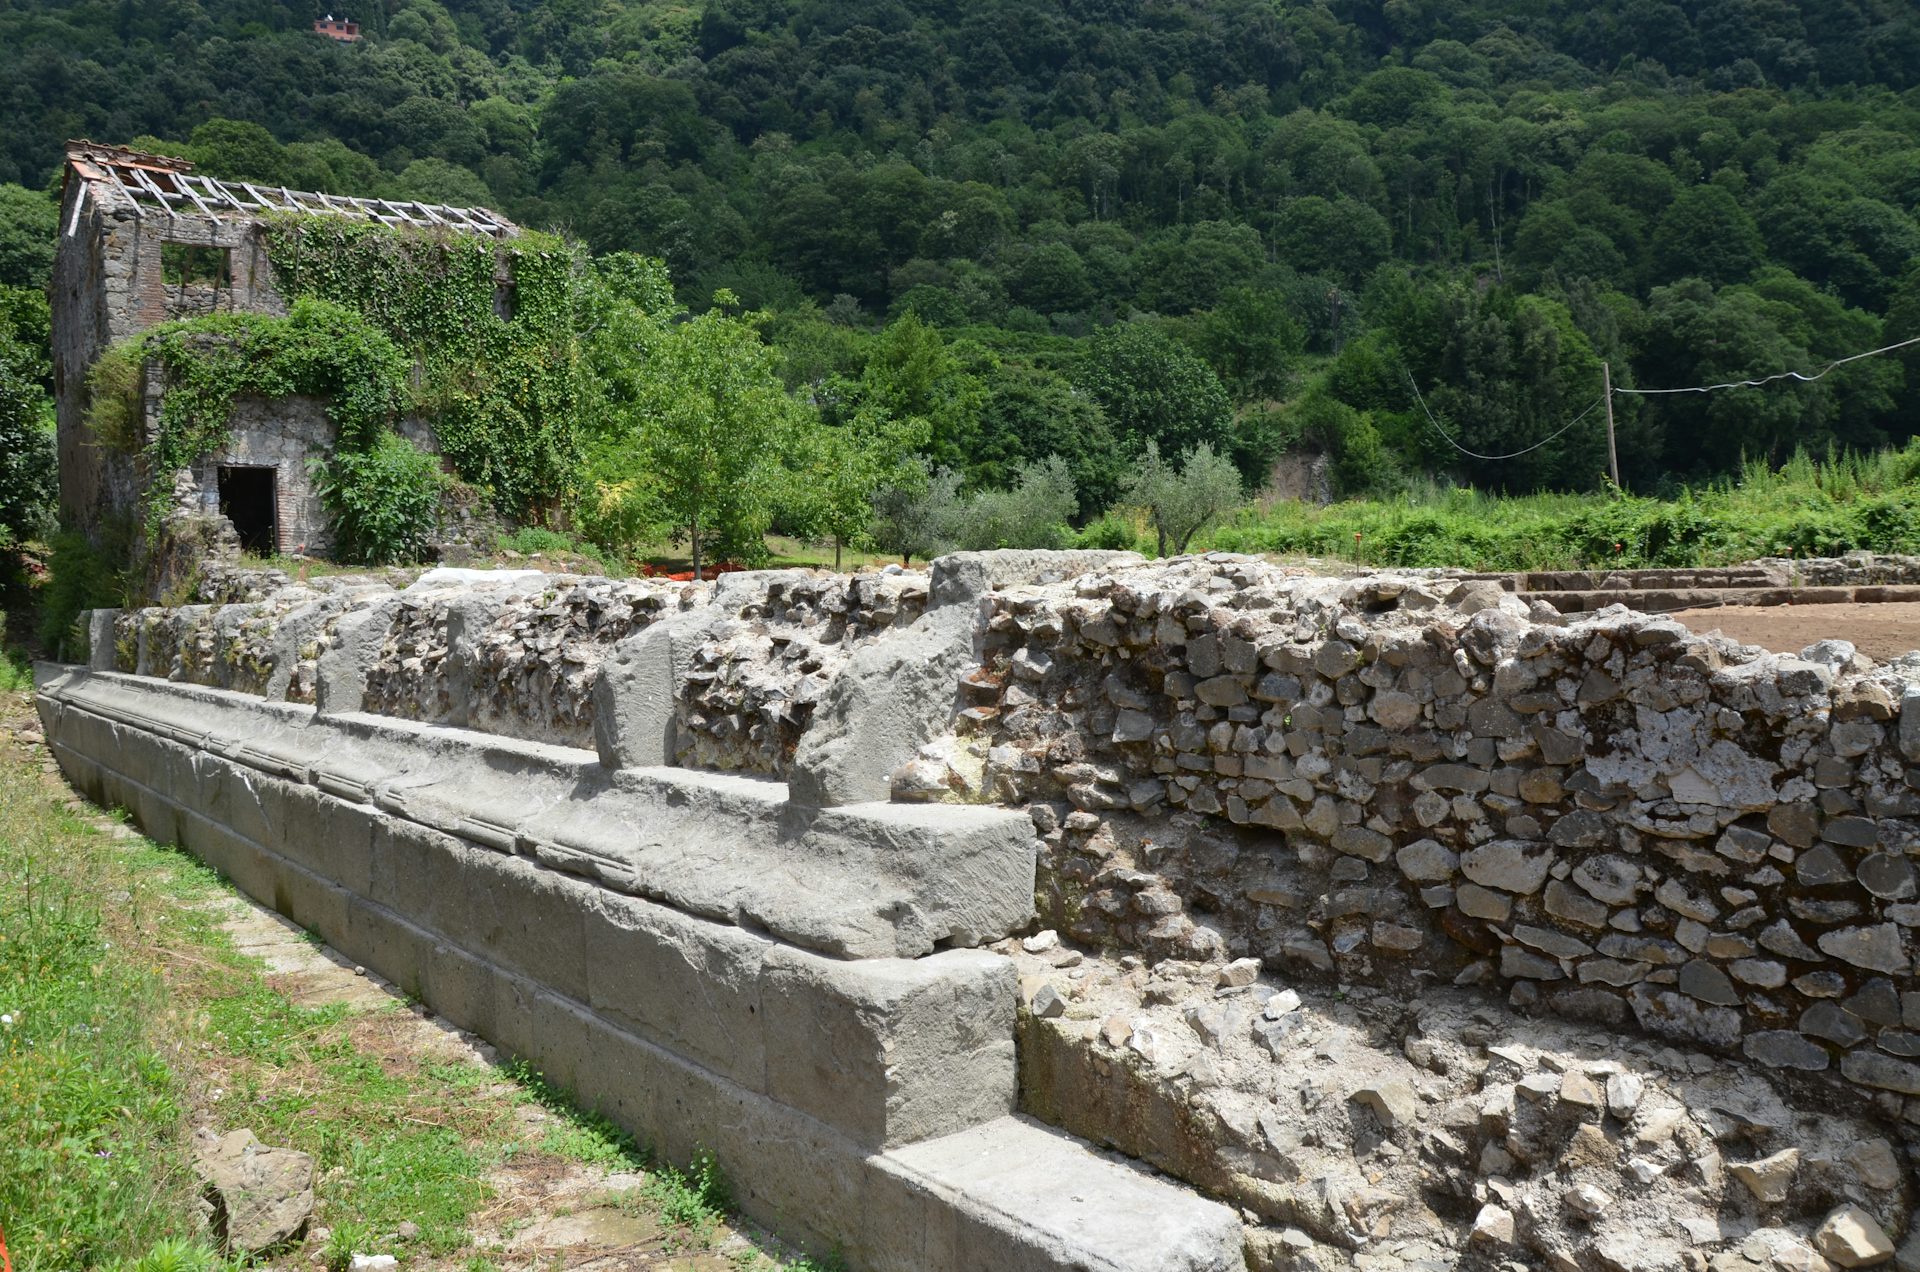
x: 1019, y: 1195
x: 860, y: 881
x: 862, y: 1104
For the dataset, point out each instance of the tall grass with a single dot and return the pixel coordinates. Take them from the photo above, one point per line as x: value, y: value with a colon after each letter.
x: 1807, y: 507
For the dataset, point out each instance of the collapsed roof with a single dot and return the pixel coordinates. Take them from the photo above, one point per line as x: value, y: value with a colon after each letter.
x: 117, y: 176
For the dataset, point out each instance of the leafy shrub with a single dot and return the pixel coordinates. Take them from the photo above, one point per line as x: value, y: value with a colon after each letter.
x: 113, y: 412
x: 1031, y: 514
x: 918, y: 516
x: 81, y: 577
x: 385, y: 501
x: 1111, y: 533
x: 536, y: 540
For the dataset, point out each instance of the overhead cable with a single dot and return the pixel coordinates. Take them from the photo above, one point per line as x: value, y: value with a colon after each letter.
x: 1783, y: 375
x: 1476, y: 454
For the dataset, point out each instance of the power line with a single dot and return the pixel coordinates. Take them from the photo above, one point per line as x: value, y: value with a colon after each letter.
x: 1784, y: 375
x: 1476, y: 454
x: 1611, y: 389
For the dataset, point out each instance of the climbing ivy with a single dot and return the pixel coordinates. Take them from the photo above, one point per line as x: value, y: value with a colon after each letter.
x: 474, y: 335
x: 319, y: 349
x: 499, y: 387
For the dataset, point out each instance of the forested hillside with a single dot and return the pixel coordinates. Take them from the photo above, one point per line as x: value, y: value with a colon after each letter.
x: 1251, y: 222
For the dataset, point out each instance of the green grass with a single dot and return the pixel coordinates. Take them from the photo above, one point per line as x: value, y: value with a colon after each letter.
x: 1805, y: 508
x: 92, y: 1161
x: 16, y: 673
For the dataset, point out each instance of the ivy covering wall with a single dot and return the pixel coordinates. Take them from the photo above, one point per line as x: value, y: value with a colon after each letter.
x: 471, y: 335
x: 499, y: 391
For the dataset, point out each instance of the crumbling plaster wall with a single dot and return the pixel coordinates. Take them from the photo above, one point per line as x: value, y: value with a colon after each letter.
x: 1389, y: 780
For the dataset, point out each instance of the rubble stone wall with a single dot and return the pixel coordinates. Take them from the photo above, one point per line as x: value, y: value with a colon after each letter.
x: 1393, y: 780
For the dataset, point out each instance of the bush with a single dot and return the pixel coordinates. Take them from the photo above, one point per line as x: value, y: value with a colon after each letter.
x: 1111, y: 533
x: 919, y: 516
x: 385, y: 501
x: 81, y: 577
x: 535, y: 540
x: 1032, y: 514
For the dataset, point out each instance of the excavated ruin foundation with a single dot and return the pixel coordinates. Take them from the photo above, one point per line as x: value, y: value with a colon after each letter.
x: 1397, y: 922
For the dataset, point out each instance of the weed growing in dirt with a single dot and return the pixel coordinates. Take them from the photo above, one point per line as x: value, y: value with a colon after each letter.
x: 581, y: 1135
x: 694, y: 1200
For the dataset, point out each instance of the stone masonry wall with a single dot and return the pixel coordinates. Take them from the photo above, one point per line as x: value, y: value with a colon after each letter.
x: 1392, y: 781
x: 752, y: 685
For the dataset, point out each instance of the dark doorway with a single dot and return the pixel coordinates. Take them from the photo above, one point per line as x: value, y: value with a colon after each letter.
x: 246, y: 499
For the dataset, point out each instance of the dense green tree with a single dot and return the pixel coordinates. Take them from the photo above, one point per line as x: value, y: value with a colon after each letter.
x: 27, y: 469
x: 1028, y: 415
x: 1251, y: 340
x: 913, y: 374
x: 1151, y: 388
x: 1705, y: 233
x: 1021, y: 175
x: 29, y: 222
x: 703, y: 433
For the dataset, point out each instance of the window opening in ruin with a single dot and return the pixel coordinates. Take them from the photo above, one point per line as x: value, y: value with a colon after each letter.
x: 247, y: 499
x: 504, y: 301
x: 191, y: 264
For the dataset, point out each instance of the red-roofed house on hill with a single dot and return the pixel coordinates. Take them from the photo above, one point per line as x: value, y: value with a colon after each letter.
x: 337, y: 29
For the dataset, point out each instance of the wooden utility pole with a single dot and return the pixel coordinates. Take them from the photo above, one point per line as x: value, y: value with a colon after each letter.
x: 1613, y: 456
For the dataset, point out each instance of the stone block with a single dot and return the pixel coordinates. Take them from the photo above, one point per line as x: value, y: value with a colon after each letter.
x: 691, y: 986
x: 894, y: 695
x: 1019, y: 1197
x: 419, y: 872
x: 252, y: 869
x: 528, y: 920
x: 340, y: 683
x: 377, y: 938
x: 633, y: 725
x: 891, y: 1051
x: 313, y: 902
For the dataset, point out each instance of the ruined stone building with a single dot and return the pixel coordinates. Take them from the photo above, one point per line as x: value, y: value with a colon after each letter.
x: 144, y: 240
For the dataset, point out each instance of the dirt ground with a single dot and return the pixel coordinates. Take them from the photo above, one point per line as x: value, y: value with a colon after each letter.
x: 1881, y: 632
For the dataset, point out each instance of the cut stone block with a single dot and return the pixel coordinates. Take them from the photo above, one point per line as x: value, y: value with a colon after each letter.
x: 892, y: 1050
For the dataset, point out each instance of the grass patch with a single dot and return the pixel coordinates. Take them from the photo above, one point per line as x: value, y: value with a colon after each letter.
x: 1805, y: 508
x: 126, y: 1011
x: 580, y: 1135
x: 16, y: 673
x: 105, y: 1053
x: 93, y: 1167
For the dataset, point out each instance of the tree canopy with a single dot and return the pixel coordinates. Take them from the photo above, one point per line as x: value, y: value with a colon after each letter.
x: 1037, y: 227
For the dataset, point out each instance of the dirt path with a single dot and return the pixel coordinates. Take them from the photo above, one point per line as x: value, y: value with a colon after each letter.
x: 1881, y: 632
